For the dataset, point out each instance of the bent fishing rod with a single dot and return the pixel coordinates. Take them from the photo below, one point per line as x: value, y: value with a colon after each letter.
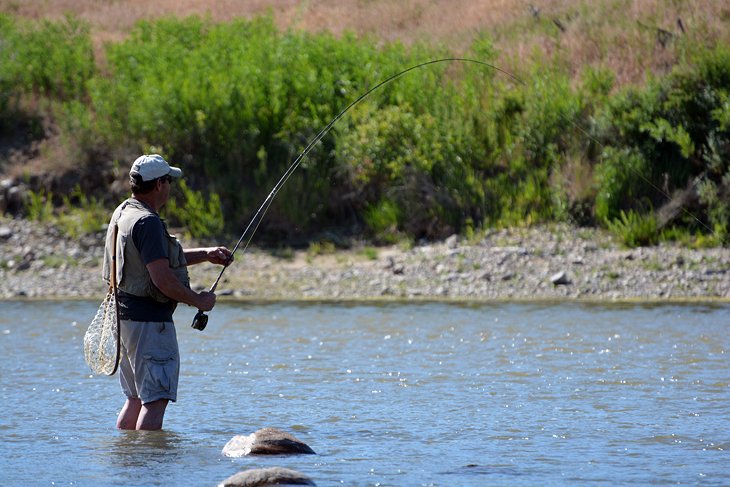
x: 200, y: 320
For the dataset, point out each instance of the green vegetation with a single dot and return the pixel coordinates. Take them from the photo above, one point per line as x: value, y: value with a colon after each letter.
x: 320, y: 248
x: 39, y: 206
x: 53, y: 60
x: 634, y: 229
x: 201, y: 217
x: 370, y: 253
x: 82, y: 214
x: 452, y: 147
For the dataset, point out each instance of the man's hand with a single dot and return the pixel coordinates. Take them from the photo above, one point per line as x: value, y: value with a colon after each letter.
x: 163, y: 277
x: 205, y: 301
x: 219, y: 255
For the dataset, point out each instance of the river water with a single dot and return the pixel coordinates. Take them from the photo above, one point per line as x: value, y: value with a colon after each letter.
x: 396, y: 394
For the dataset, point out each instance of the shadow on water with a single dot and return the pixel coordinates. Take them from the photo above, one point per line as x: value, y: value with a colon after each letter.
x: 483, y: 470
x: 143, y: 457
x: 135, y: 449
x: 121, y: 458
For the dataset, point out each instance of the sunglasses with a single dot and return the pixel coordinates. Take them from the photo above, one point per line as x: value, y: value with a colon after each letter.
x: 167, y: 178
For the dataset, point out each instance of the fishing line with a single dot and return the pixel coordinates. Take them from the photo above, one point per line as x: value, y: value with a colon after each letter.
x: 201, y: 319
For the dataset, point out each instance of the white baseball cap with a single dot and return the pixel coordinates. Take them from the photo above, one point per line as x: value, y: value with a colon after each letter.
x: 153, y: 166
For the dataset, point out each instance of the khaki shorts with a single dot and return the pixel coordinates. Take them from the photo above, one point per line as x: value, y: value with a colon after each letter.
x: 149, y: 364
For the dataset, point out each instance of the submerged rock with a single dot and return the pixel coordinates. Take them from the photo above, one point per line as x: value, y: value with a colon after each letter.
x: 267, y: 476
x: 266, y: 441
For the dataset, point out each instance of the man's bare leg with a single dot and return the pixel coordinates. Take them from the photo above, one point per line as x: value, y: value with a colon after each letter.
x: 152, y: 414
x: 129, y: 414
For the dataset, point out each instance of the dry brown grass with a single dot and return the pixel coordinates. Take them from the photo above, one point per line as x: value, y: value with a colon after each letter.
x: 621, y: 35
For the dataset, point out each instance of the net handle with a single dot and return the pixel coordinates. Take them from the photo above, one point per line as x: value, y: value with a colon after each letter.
x: 113, y: 288
x: 113, y: 276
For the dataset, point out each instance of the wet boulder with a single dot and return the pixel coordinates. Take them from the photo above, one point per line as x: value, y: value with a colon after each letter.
x: 260, y: 477
x: 266, y: 441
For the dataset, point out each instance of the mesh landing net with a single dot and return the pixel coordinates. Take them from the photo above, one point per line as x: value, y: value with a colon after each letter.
x: 101, y: 341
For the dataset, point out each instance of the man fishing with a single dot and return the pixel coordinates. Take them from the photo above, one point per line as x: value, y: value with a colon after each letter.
x: 151, y: 279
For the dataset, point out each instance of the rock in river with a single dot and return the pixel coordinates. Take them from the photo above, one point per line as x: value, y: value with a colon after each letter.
x: 267, y: 476
x: 266, y: 441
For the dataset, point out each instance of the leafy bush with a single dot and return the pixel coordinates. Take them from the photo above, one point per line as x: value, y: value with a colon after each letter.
x: 84, y: 214
x: 39, y: 206
x: 50, y: 58
x: 622, y: 182
x: 409, y: 167
x: 635, y: 230
x: 383, y: 219
x: 263, y: 97
x: 200, y: 216
x: 667, y: 135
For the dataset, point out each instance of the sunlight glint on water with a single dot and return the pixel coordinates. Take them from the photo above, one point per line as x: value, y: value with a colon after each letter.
x: 429, y: 394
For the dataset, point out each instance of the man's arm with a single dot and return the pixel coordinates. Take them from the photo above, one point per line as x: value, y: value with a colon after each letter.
x: 214, y: 255
x: 165, y: 280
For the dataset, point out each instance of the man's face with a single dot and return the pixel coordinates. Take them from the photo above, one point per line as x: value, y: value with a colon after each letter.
x: 164, y: 187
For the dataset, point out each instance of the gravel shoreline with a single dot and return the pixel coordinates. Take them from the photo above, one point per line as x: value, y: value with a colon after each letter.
x: 547, y: 263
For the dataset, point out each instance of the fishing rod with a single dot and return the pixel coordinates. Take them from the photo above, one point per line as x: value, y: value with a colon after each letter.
x: 200, y: 320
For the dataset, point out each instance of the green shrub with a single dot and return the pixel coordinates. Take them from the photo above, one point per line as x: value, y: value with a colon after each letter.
x: 202, y: 217
x: 667, y: 135
x: 39, y: 206
x: 84, y: 214
x: 634, y: 229
x: 621, y: 182
x: 412, y: 161
x: 50, y: 58
x: 370, y: 253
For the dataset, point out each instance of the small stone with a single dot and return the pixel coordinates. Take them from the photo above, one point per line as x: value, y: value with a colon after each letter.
x: 508, y: 276
x: 5, y: 232
x: 560, y: 278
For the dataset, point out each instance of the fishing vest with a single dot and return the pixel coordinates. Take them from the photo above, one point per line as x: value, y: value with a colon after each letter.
x: 132, y: 274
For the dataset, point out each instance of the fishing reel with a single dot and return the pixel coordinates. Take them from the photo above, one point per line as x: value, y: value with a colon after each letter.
x: 200, y: 321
